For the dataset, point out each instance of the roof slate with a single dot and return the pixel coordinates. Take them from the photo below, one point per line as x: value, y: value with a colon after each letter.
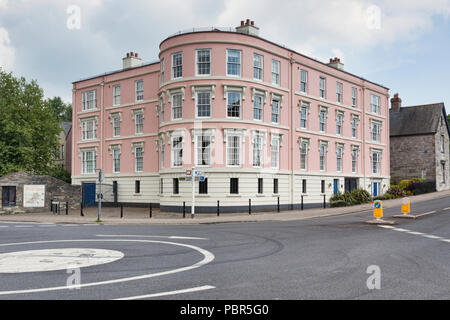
x: 416, y: 120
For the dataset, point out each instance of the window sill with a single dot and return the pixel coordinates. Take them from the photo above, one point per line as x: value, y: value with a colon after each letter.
x: 233, y: 195
x: 175, y: 196
x: 202, y: 195
x: 276, y: 195
x: 260, y: 195
x: 137, y: 194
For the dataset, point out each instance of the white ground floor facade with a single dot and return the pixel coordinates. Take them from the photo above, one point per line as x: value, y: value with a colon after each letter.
x: 233, y: 190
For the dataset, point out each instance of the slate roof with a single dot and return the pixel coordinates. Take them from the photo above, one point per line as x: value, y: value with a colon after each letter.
x: 416, y: 120
x: 66, y: 126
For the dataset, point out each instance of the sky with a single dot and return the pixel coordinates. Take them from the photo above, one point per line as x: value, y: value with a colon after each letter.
x: 401, y: 44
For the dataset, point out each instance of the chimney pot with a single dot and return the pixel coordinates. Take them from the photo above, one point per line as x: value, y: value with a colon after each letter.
x: 136, y: 55
x: 396, y: 103
x: 247, y: 22
x: 128, y: 54
x: 242, y: 23
x: 253, y: 23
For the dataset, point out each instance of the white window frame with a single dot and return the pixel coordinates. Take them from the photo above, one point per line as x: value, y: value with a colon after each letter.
x: 162, y: 153
x: 339, y: 157
x: 303, y: 82
x: 135, y: 147
x: 339, y: 123
x: 239, y: 149
x: 175, y: 67
x: 260, y: 108
x: 256, y: 68
x: 116, y: 126
x: 258, y: 135
x: 239, y: 64
x: 375, y: 131
x: 197, y: 62
x: 323, y: 162
x: 115, y: 149
x: 324, y: 89
x: 304, y: 148
x: 115, y: 95
x: 354, y: 97
x: 375, y: 165
x: 199, y: 149
x: 339, y: 90
x: 275, y: 143
x: 355, y: 151
x: 240, y: 103
x: 86, y: 102
x: 354, y: 126
x: 197, y: 105
x: 84, y: 164
x: 278, y: 102
x: 85, y: 131
x: 138, y: 96
x: 162, y: 71
x: 180, y: 107
x: 375, y: 103
x: 276, y: 70
x: 136, y: 124
x: 175, y: 156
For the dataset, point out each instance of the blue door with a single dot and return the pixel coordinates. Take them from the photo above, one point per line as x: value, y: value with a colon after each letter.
x: 88, y: 194
x: 375, y: 189
x: 336, y: 186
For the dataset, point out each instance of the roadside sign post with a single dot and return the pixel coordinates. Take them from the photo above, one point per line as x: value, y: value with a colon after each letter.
x: 194, y: 174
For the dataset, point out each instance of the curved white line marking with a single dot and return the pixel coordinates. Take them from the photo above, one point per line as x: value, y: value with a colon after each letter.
x: 168, y: 293
x: 208, y: 257
x: 148, y: 236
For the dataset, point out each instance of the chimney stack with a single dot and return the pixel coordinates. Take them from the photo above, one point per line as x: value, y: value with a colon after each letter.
x: 131, y: 60
x: 248, y: 27
x: 396, y: 103
x: 336, y: 63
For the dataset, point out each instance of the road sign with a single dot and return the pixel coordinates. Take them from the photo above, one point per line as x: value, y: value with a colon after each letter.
x: 101, y: 176
x: 197, y: 178
x: 202, y: 178
x: 406, y: 206
x: 378, y: 209
x: 189, y: 172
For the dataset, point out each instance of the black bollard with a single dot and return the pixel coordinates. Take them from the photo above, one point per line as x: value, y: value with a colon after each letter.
x: 121, y: 210
x: 324, y: 204
x: 184, y: 209
x: 278, y: 204
x: 151, y: 210
x: 81, y: 209
x: 302, y: 204
x: 67, y: 208
x: 249, y: 206
x: 218, y: 210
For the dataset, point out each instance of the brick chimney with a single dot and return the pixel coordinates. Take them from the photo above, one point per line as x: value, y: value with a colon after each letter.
x: 248, y: 27
x: 336, y: 63
x: 396, y: 103
x: 131, y: 60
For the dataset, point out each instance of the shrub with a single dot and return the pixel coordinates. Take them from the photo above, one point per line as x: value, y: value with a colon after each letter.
x: 403, y: 184
x: 419, y: 186
x: 361, y: 196
x: 388, y: 196
x: 396, y: 192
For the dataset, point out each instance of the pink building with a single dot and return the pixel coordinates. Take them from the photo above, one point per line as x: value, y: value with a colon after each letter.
x: 260, y: 120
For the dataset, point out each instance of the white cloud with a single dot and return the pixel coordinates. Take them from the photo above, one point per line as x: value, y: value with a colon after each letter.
x: 7, y: 55
x: 336, y: 24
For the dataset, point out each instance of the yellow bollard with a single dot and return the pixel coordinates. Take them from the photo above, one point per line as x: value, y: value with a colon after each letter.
x: 406, y: 206
x: 378, y: 209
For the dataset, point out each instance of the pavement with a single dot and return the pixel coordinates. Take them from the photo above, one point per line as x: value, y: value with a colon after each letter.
x: 111, y: 215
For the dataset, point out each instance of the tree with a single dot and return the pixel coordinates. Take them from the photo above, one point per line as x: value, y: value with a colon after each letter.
x: 61, y: 111
x: 28, y: 129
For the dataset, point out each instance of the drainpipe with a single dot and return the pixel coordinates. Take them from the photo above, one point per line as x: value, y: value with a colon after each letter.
x: 292, y: 133
x: 363, y: 116
x: 101, y: 123
x: 74, y: 121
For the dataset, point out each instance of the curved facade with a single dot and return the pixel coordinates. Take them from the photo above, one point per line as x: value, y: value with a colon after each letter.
x: 259, y: 120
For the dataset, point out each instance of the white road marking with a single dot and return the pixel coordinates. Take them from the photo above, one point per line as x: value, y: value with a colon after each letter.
x: 4, y: 226
x: 430, y: 236
x: 448, y: 208
x: 147, y: 236
x: 20, y: 226
x: 48, y: 225
x: 208, y: 257
x: 425, y: 213
x: 55, y: 259
x: 168, y: 293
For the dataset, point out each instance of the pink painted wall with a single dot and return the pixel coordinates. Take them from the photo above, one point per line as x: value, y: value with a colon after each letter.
x: 218, y: 43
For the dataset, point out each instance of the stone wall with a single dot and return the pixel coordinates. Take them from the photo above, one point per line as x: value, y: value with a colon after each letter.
x: 413, y: 157
x: 442, y: 156
x: 55, y: 189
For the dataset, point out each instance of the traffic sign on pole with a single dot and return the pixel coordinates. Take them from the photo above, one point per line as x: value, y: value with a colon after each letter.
x: 406, y: 206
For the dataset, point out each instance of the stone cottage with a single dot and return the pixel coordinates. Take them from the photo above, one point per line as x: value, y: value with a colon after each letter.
x: 419, y: 143
x: 22, y: 191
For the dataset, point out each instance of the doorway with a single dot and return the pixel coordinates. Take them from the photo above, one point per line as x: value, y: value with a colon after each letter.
x: 8, y: 196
